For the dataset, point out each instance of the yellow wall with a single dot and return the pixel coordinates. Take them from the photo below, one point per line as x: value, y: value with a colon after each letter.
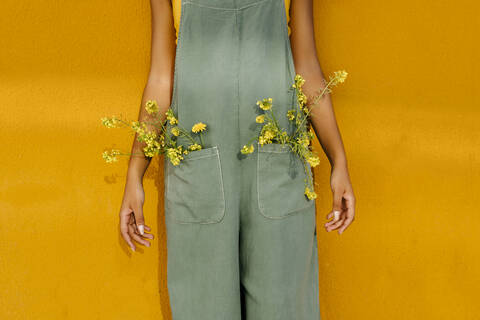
x: 408, y: 114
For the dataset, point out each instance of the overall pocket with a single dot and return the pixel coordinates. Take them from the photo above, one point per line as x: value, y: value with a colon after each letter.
x: 280, y: 181
x: 194, y: 191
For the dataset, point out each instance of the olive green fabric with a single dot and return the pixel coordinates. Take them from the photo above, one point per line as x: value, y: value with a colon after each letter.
x: 241, y: 235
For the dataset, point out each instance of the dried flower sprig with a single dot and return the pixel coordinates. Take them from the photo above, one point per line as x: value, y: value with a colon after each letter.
x: 300, y: 139
x: 159, y: 140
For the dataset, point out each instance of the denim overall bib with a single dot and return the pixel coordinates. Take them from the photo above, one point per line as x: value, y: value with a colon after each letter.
x: 241, y: 235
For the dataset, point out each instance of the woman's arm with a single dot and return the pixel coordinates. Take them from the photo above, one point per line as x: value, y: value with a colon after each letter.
x: 158, y: 87
x: 304, y: 52
x: 160, y: 77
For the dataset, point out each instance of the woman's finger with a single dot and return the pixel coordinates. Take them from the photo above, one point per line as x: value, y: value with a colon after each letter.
x: 337, y: 203
x: 148, y: 235
x: 137, y: 237
x: 124, y: 219
x: 336, y: 216
x: 337, y: 223
x: 145, y: 233
x: 139, y: 220
x: 350, y: 203
x: 329, y: 215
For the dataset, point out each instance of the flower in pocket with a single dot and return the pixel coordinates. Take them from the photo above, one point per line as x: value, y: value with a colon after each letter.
x: 175, y: 155
x: 155, y: 137
x: 298, y: 137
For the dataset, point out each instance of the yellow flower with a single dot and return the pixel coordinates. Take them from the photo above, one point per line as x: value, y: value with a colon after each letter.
x: 195, y: 146
x: 265, y: 139
x: 291, y: 115
x: 199, y: 127
x: 110, y: 122
x: 175, y: 155
x: 260, y: 118
x: 304, y: 140
x: 138, y: 127
x: 299, y: 81
x: 151, y: 106
x: 175, y: 131
x: 152, y: 149
x: 171, y: 117
x: 310, y: 193
x: 147, y: 137
x: 339, y: 77
x: 262, y: 140
x: 313, y: 160
x: 265, y: 104
x: 269, y: 135
x: 302, y: 98
x: 247, y: 149
x: 310, y: 133
x: 110, y: 156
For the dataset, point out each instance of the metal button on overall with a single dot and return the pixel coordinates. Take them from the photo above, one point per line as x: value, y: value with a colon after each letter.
x: 241, y: 239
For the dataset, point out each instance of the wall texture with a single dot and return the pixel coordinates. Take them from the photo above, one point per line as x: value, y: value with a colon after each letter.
x: 408, y: 114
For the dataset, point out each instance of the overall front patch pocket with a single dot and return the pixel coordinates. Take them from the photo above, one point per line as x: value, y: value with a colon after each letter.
x: 280, y: 181
x: 194, y: 191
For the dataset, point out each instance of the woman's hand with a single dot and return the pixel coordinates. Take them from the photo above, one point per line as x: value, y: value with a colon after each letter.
x: 132, y: 224
x: 343, y: 212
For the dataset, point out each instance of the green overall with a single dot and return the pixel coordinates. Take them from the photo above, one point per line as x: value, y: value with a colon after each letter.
x: 241, y: 234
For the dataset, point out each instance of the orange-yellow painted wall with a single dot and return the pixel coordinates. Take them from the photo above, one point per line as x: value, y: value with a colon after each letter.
x: 408, y: 114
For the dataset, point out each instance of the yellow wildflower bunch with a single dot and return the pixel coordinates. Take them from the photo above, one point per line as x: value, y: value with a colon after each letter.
x: 159, y: 140
x: 299, y: 139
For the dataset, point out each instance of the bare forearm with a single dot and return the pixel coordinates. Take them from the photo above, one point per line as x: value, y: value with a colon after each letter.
x: 159, y: 91
x: 323, y: 118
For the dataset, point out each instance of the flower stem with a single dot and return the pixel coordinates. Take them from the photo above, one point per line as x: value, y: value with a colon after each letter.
x: 309, y: 109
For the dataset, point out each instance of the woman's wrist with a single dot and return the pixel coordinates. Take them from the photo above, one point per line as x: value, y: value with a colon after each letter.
x: 136, y: 169
x: 338, y: 162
